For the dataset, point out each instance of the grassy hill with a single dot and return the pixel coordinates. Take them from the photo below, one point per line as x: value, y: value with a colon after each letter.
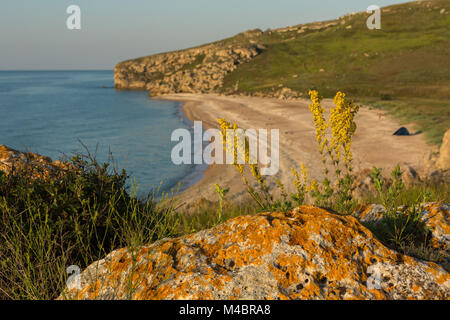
x: 403, y: 68
x: 409, y: 56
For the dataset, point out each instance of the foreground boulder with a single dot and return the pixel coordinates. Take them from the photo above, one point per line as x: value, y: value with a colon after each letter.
x: 308, y: 253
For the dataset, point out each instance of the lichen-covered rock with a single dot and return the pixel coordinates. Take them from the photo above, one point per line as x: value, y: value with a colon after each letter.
x: 372, y: 213
x: 308, y: 253
x: 39, y: 166
x: 438, y: 220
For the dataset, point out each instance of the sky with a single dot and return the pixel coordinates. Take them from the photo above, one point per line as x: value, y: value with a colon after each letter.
x: 34, y: 35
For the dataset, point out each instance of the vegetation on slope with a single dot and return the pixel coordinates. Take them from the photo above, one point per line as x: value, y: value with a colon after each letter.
x: 406, y: 62
x: 407, y: 57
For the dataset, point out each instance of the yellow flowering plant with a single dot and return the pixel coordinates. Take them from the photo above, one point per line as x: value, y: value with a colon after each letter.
x: 221, y: 192
x: 334, y: 138
x: 261, y: 195
x: 301, y: 185
x: 343, y: 127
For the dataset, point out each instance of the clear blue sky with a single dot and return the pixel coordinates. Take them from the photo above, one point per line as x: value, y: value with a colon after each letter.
x: 33, y: 33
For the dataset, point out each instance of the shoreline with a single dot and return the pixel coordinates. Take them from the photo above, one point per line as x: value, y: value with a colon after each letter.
x: 297, y: 140
x: 196, y: 172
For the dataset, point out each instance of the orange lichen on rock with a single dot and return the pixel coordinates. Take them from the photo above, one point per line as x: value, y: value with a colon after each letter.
x: 36, y: 165
x: 308, y: 253
x: 437, y: 217
x: 369, y: 213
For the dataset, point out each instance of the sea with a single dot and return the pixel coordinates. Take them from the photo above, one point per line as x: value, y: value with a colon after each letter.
x: 59, y: 113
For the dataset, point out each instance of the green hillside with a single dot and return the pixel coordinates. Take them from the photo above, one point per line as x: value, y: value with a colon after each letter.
x: 409, y: 56
x: 403, y: 68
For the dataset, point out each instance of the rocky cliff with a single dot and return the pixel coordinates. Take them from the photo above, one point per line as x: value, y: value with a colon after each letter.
x: 308, y: 253
x: 197, y: 70
x: 318, y: 55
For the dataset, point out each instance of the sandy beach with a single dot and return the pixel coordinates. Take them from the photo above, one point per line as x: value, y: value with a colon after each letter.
x: 374, y: 143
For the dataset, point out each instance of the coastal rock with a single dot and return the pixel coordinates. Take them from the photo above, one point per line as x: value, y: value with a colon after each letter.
x: 203, y: 69
x: 197, y: 70
x: 372, y: 213
x: 38, y: 166
x: 437, y: 164
x: 410, y: 177
x: 286, y: 94
x: 252, y: 33
x: 362, y: 185
x: 308, y: 253
x: 443, y: 162
x: 429, y: 162
x: 438, y: 220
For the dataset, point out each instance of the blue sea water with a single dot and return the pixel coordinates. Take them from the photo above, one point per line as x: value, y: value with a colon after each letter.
x: 49, y: 112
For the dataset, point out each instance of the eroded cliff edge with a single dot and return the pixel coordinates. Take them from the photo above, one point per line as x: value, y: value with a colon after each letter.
x: 196, y: 70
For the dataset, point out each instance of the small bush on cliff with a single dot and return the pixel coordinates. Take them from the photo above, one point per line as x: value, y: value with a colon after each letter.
x: 72, y: 217
x: 402, y: 226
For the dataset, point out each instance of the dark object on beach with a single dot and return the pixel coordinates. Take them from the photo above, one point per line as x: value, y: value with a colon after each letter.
x: 385, y: 97
x: 402, y: 132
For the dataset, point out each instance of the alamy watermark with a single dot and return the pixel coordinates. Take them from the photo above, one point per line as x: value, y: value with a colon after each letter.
x: 73, y: 22
x: 249, y: 146
x: 74, y: 279
x: 374, y: 281
x: 374, y: 21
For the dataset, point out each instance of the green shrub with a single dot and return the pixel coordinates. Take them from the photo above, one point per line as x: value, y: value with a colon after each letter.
x: 402, y: 226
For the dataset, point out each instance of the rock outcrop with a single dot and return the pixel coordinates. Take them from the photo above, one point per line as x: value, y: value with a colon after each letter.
x: 437, y: 218
x: 197, y: 70
x: 39, y: 166
x: 443, y: 161
x: 308, y: 253
x: 437, y: 164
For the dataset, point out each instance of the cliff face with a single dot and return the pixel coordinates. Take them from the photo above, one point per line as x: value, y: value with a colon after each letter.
x: 197, y: 70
